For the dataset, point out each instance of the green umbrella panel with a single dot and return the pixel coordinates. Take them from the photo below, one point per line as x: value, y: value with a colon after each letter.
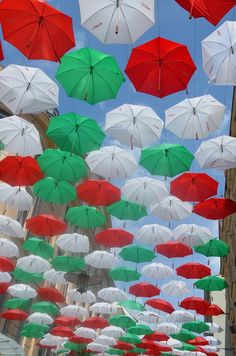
x: 27, y: 277
x: 68, y: 263
x: 75, y: 347
x: 38, y: 247
x: 140, y: 329
x: 166, y: 159
x: 17, y: 303
x: 75, y: 133
x: 213, y: 248
x: 113, y: 351
x: 90, y: 75
x: 45, y: 307
x: 137, y: 350
x: 85, y: 217
x: 183, y: 335
x: 211, y: 283
x: 122, y: 321
x: 34, y: 331
x: 196, y: 326
x: 131, y: 304
x: 137, y: 254
x: 187, y: 347
x: 125, y: 210
x: 124, y: 274
x: 130, y: 338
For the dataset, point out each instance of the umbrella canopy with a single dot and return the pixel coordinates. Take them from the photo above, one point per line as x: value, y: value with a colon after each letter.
x: 112, y: 294
x: 50, y: 294
x: 211, y: 283
x: 95, y: 323
x: 15, y: 197
x: 56, y: 277
x: 192, y: 234
x: 3, y: 287
x: 134, y: 125
x: 46, y: 225
x: 114, y: 237
x: 14, y: 314
x: 113, y: 331
x: 131, y: 305
x: 84, y: 75
x: 76, y: 243
x: 66, y: 321
x: 172, y: 208
x: 216, y: 248
x: 86, y: 297
x: 36, y: 22
x: 22, y: 291
x: 157, y: 271
x: 144, y: 289
x: 211, y: 310
x: 86, y: 333
x: 5, y: 277
x: 98, y: 192
x: 68, y: 263
x: 103, y: 308
x: 157, y: 63
x: 124, y: 274
x: 193, y: 270
x: 33, y: 264
x: 181, y: 316
x: 167, y: 328
x: 63, y: 331
x: 194, y: 303
x: 6, y: 265
x: 74, y: 311
x: 112, y: 162
x: 33, y: 331
x: 175, y: 288
x: 137, y: 254
x: 215, y: 208
x: 40, y: 318
x: 11, y: 227
x: 122, y: 321
x: 196, y: 326
x: 27, y: 277
x: 8, y: 248
x: 85, y: 216
x: 140, y: 329
x: 38, y: 247
x: 173, y: 249
x: 106, y: 340
x: 130, y: 338
x: 166, y: 159
x: 126, y: 210
x: 183, y: 335
x: 101, y: 259
x: 27, y: 90
x: 198, y: 341
x: 17, y: 303
x: 195, y: 118
x: 160, y: 304
x: 153, y: 235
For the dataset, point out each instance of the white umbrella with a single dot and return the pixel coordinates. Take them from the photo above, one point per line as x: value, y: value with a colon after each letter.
x: 113, y: 331
x: 192, y: 234
x: 148, y: 317
x: 112, y: 162
x: 74, y: 311
x: 172, y: 208
x: 195, y: 117
x: 112, y: 294
x: 33, y: 264
x: 144, y: 191
x: 101, y: 259
x: 210, y: 348
x: 153, y: 235
x: 86, y: 332
x: 75, y: 243
x: 21, y: 291
x: 27, y: 90
x: 105, y: 340
x: 52, y: 340
x: 175, y: 288
x: 20, y: 136
x: 219, y: 56
x: 15, y: 197
x: 119, y: 22
x: 134, y: 125
x: 214, y: 328
x: 55, y: 277
x: 213, y: 341
x: 8, y: 248
x: 171, y: 342
x: 219, y: 152
x: 11, y: 227
x: 93, y: 346
x: 75, y: 296
x: 40, y: 318
x: 167, y: 328
x: 103, y: 308
x: 5, y: 277
x: 157, y: 271
x: 181, y: 316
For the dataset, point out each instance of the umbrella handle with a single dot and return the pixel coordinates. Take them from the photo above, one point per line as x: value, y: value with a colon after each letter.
x: 190, y: 16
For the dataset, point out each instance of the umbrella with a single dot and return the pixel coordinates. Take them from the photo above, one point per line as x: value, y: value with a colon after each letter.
x: 137, y: 254
x: 112, y: 294
x: 27, y: 90
x: 3, y: 287
x: 74, y: 347
x: 153, y: 234
x: 194, y: 303
x: 34, y: 331
x: 166, y: 159
x: 98, y: 192
x: 194, y: 187
x: 181, y: 316
x: 46, y: 225
x: 130, y: 338
x: 66, y: 321
x: 8, y: 248
x: 74, y: 311
x: 17, y: 303
x: 218, y: 152
x: 114, y: 237
x: 144, y: 191
x: 22, y: 291
x: 213, y: 341
x: 103, y: 308
x: 196, y: 326
x: 167, y: 328
x: 113, y: 331
x: 195, y: 118
x: 144, y: 289
x: 125, y: 210
x: 19, y: 136
x: 101, y: 259
x: 125, y: 346
x: 140, y: 329
x: 216, y: 248
x: 114, y: 351
x: 134, y: 125
x: 11, y: 227
x: 75, y: 243
x: 215, y: 208
x: 40, y: 318
x: 112, y: 162
x: 183, y: 335
x: 131, y: 305
x: 38, y: 247
x: 160, y: 304
x: 86, y: 333
x: 193, y: 270
x: 6, y: 265
x: 33, y: 264
x: 5, y: 277
x: 198, y: 341
x: 85, y: 216
x: 27, y: 277
x: 62, y: 165
x: 211, y: 310
x: 122, y: 321
x: 93, y: 346
x: 90, y: 75
x: 160, y: 67
x: 75, y: 296
x: 172, y: 208
x: 214, y: 328
x: 106, y: 340
x: 56, y: 277
x: 124, y: 274
x: 53, y: 191
x: 18, y: 170
x: 63, y: 331
x: 16, y: 198
x: 50, y: 294
x: 192, y: 234
x: 157, y: 271
x: 173, y: 249
x: 175, y: 288
x: 95, y: 323
x: 211, y: 283
x: 218, y: 54
x: 29, y: 23
x: 68, y: 263
x: 13, y: 314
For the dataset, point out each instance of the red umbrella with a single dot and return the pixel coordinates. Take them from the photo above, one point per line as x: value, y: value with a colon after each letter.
x: 17, y: 170
x: 14, y: 314
x: 46, y: 225
x: 80, y: 340
x: 207, y: 353
x: 95, y: 323
x: 4, y: 287
x: 66, y: 321
x: 211, y: 310
x: 198, y: 341
x: 50, y: 294
x: 193, y: 270
x: 212, y: 10
x: 194, y: 303
x: 114, y: 238
x: 98, y: 192
x: 53, y: 347
x: 158, y: 350
x: 160, y: 304
x: 215, y: 208
x: 1, y: 53
x: 172, y: 249
x: 194, y: 187
x: 160, y: 67
x: 62, y: 331
x: 28, y: 23
x: 146, y: 344
x: 6, y: 265
x: 144, y: 289
x: 121, y: 345
x: 156, y: 336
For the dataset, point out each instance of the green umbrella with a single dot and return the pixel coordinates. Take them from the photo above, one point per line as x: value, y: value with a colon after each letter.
x: 187, y: 347
x: 62, y: 165
x: 140, y: 329
x: 213, y: 248
x: 113, y: 351
x: 137, y: 350
x: 90, y: 75
x: 38, y: 247
x: 125, y: 210
x: 75, y: 133
x: 17, y: 303
x: 196, y: 326
x: 27, y: 277
x: 34, y: 331
x: 166, y: 159
x: 137, y: 254
x: 131, y: 304
x: 68, y: 263
x: 211, y: 283
x: 131, y: 338
x: 124, y: 274
x: 53, y: 191
x: 122, y: 321
x: 85, y: 216
x: 45, y: 307
x: 75, y: 347
x: 183, y: 335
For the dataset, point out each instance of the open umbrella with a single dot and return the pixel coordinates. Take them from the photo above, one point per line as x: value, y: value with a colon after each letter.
x: 196, y: 326
x: 40, y: 318
x: 193, y: 270
x: 38, y: 247
x: 101, y: 259
x: 173, y: 249
x: 68, y: 263
x: 8, y: 248
x: 137, y: 254
x: 5, y: 277
x: 153, y: 235
x: 215, y: 208
x: 50, y: 294
x: 181, y: 316
x: 17, y: 303
x: 124, y: 274
x: 74, y: 242
x: 95, y: 323
x: 183, y: 335
x: 3, y: 287
x: 112, y: 294
x: 86, y: 332
x: 55, y: 277
x: 103, y: 308
x: 114, y: 237
x: 172, y: 208
x: 216, y: 248
x: 192, y: 234
x: 22, y: 291
x: 144, y: 289
x: 27, y: 90
x: 13, y: 314
x: 198, y: 341
x: 46, y: 225
x: 74, y: 311
x: 194, y: 303
x: 157, y: 271
x: 75, y: 296
x: 131, y: 305
x: 6, y: 265
x: 122, y: 321
x: 34, y: 264
x: 140, y: 329
x: 66, y: 321
x: 27, y: 277
x: 167, y: 328
x: 130, y: 338
x: 126, y: 210
x: 85, y: 216
x: 160, y: 304
x: 98, y: 192
x: 175, y: 288
x: 11, y: 227
x: 63, y: 331
x: 106, y: 340
x: 211, y: 283
x: 90, y: 75
x: 113, y: 331
x: 15, y: 197
x: 34, y: 331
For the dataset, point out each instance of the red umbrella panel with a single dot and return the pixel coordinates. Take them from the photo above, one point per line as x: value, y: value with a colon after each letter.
x: 28, y: 23
x: 121, y: 345
x: 215, y: 208
x: 66, y: 321
x: 156, y: 336
x: 1, y: 53
x: 14, y: 314
x: 46, y: 225
x: 4, y: 287
x: 62, y: 331
x: 50, y: 294
x: 193, y: 187
x: 6, y: 265
x: 198, y: 341
x: 144, y: 289
x: 114, y: 238
x: 193, y: 270
x: 173, y: 249
x: 211, y: 310
x: 160, y: 304
x: 80, y: 340
x: 195, y: 303
x: 160, y: 67
x: 95, y: 323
